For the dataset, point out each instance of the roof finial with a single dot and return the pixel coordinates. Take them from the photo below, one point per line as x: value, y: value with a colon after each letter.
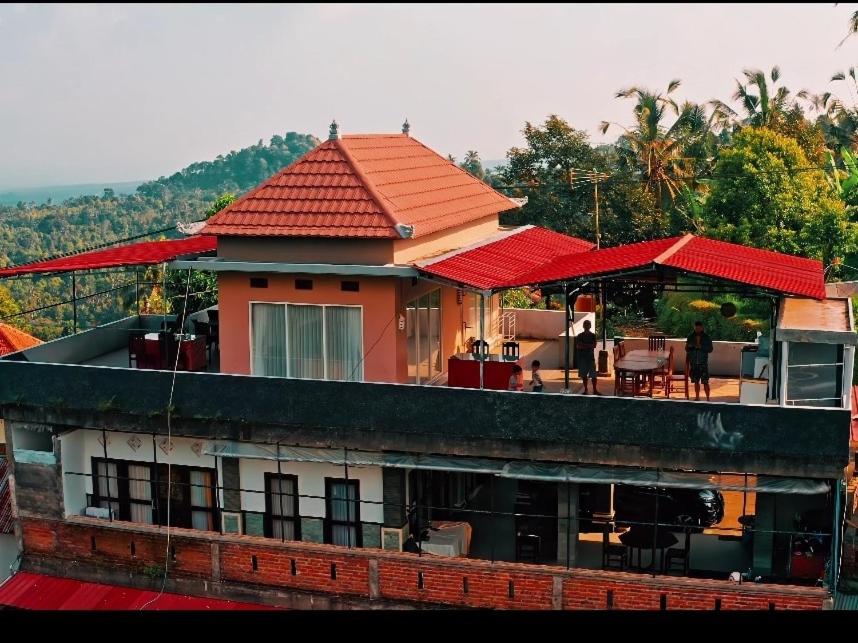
x: 334, y: 134
x: 406, y: 127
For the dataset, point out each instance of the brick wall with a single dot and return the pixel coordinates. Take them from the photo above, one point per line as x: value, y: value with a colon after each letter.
x: 249, y: 561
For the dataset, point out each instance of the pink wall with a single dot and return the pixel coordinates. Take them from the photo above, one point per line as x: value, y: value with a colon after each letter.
x: 383, y: 300
x: 377, y: 296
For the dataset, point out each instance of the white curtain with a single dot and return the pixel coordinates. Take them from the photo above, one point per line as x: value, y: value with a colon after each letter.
x: 269, y: 339
x: 201, y: 496
x: 282, y: 492
x: 305, y: 342
x: 108, y: 486
x: 140, y: 488
x: 343, y: 339
x: 343, y: 509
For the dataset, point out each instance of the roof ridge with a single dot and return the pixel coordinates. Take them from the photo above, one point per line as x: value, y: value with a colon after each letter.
x: 380, y: 200
x: 673, y: 249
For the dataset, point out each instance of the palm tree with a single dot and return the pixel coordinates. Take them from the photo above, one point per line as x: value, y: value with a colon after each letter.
x: 760, y: 105
x: 665, y: 156
x: 839, y: 122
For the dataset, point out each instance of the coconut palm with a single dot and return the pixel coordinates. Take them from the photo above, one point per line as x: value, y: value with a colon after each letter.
x: 760, y: 103
x: 839, y: 122
x: 666, y: 156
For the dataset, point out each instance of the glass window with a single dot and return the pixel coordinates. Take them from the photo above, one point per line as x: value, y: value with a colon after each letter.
x: 308, y: 341
x: 107, y: 486
x: 342, y: 517
x: 281, y: 500
x: 814, y: 374
x: 140, y: 492
x: 269, y: 339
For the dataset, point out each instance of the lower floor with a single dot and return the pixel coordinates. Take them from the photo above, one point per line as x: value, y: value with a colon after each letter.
x: 648, y: 522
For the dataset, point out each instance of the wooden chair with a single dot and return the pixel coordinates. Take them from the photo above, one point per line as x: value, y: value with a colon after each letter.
x: 203, y: 328
x: 613, y: 555
x: 673, y: 380
x: 624, y: 382
x: 676, y: 558
x: 480, y: 349
x: 657, y: 342
x: 528, y: 548
x: 622, y: 346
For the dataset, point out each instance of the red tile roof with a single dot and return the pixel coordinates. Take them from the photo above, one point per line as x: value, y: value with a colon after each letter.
x: 146, y: 253
x: 762, y: 269
x: 364, y: 186
x: 503, y: 258
x: 26, y: 590
x: 13, y: 340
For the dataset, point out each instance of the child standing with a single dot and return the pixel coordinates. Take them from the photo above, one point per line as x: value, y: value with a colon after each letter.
x: 535, y: 376
x: 516, y: 380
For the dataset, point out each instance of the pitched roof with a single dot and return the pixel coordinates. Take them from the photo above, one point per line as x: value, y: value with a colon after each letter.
x: 145, y: 253
x: 504, y: 257
x: 493, y: 265
x: 13, y: 340
x: 364, y: 186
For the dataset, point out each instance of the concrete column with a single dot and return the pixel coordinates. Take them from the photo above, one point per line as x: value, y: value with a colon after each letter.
x: 764, y: 542
x: 216, y: 562
x: 373, y: 579
x: 567, y: 504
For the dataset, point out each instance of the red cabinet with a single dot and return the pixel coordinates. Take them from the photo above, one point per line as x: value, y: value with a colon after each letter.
x: 465, y: 373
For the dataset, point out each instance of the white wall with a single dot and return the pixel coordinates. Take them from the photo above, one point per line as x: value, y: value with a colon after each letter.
x: 81, y: 446
x: 311, y: 481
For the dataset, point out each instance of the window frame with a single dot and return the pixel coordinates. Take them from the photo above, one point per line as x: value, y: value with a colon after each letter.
x: 414, y: 304
x: 330, y: 522
x: 270, y: 517
x: 285, y: 305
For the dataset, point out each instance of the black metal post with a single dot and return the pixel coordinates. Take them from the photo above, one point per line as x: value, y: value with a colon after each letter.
x: 492, y: 514
x: 655, y: 528
x: 349, y: 507
x: 217, y: 495
x: 280, y: 494
x: 568, y: 519
x: 569, y: 317
x: 157, y: 495
x: 137, y: 289
x: 107, y: 472
x: 74, y: 303
x: 603, y: 289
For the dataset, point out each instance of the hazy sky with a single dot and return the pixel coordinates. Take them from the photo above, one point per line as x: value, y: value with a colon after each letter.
x: 96, y: 93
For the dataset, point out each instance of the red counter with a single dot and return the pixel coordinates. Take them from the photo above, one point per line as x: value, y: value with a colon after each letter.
x: 465, y: 373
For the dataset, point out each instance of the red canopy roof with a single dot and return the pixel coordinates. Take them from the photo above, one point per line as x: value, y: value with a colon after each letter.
x: 30, y: 591
x: 362, y: 186
x: 762, y: 269
x: 146, y: 253
x: 504, y: 257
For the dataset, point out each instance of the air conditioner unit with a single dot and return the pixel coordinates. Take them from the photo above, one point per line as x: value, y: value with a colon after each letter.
x: 231, y: 522
x: 392, y: 539
x: 98, y: 512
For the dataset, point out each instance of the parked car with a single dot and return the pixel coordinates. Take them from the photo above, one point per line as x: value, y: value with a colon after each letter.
x: 697, y: 508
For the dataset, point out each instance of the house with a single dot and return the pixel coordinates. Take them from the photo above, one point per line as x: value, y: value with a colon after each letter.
x: 347, y: 440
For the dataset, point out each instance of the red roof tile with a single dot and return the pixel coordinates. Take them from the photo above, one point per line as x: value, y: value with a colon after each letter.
x: 13, y: 340
x: 26, y: 590
x: 503, y: 258
x: 361, y: 186
x: 146, y: 253
x: 495, y: 265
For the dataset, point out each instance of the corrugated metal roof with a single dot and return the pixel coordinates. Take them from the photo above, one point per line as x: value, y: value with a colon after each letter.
x: 503, y: 258
x: 844, y: 601
x: 145, y: 253
x: 26, y: 590
x: 362, y: 186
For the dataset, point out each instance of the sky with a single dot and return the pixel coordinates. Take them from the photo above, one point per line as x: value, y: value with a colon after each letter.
x: 109, y: 93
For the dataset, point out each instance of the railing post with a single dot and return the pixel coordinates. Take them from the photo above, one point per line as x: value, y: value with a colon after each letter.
x: 74, y: 303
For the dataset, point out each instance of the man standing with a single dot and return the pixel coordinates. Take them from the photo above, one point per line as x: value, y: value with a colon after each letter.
x: 697, y: 349
x: 585, y: 345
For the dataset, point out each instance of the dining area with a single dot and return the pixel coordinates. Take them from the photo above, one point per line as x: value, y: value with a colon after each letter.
x: 183, y: 344
x: 647, y: 371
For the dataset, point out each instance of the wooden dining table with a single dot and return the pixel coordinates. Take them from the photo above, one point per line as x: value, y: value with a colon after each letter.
x: 643, y: 363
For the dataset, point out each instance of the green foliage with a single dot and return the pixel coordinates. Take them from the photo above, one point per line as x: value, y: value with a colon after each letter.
x: 677, y: 312
x: 765, y: 195
x: 8, y: 306
x: 473, y: 165
x: 31, y: 232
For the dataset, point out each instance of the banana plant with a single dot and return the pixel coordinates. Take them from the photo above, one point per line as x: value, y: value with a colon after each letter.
x: 845, y: 182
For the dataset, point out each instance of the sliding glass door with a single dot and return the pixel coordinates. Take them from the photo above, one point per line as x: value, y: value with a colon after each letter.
x: 307, y: 341
x: 424, y: 337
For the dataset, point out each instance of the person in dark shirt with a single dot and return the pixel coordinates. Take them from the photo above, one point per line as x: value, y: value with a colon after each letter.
x: 697, y: 349
x: 585, y: 345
